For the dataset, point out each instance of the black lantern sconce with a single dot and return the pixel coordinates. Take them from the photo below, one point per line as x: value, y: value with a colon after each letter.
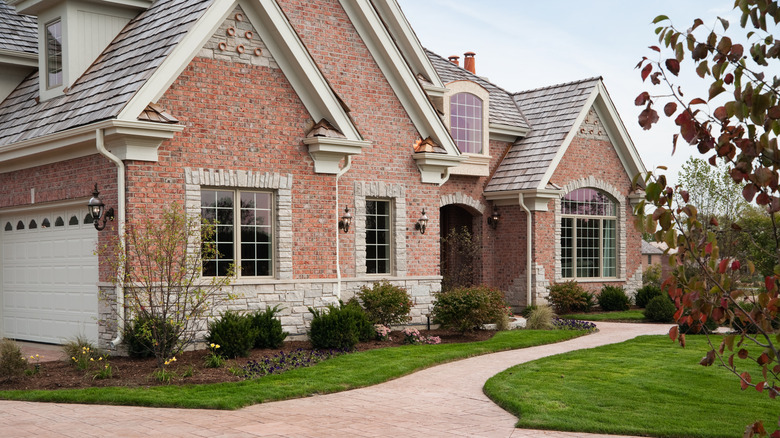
x: 492, y: 220
x: 421, y: 223
x: 345, y: 220
x: 97, y: 210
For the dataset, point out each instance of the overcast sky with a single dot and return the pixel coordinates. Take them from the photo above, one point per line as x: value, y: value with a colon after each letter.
x: 526, y: 44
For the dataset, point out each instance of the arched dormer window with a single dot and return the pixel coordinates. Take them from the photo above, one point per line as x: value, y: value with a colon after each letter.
x: 466, y: 123
x: 588, y: 235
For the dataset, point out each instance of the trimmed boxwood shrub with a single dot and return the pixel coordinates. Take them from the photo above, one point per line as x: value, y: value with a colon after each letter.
x: 660, y: 309
x: 613, y: 298
x: 647, y: 293
x: 269, y: 328
x: 385, y: 303
x: 340, y: 327
x: 12, y: 363
x: 568, y: 297
x: 234, y: 333
x: 139, y: 336
x: 467, y: 308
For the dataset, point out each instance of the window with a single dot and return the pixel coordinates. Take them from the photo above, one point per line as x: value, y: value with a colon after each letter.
x: 649, y: 259
x: 54, y: 54
x: 378, y: 237
x: 243, y: 234
x: 588, y: 235
x: 466, y: 122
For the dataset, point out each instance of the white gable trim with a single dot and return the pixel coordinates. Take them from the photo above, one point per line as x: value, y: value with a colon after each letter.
x: 285, y: 46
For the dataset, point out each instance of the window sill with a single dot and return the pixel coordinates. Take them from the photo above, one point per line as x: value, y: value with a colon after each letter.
x: 593, y: 280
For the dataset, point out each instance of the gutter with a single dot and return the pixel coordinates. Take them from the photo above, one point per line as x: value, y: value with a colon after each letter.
x: 121, y: 218
x: 347, y: 165
x: 529, y: 247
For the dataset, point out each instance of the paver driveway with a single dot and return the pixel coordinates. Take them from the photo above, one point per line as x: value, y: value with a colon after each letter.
x: 443, y: 401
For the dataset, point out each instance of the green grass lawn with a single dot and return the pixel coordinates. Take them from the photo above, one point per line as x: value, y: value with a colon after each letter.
x: 338, y: 374
x: 646, y: 386
x: 628, y: 315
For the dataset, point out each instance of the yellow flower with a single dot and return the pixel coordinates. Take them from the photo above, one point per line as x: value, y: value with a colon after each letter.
x: 212, y: 345
x: 216, y: 346
x: 91, y: 359
x: 73, y: 358
x: 100, y: 358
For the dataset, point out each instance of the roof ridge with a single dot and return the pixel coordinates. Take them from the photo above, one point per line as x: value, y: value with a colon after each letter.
x: 594, y: 78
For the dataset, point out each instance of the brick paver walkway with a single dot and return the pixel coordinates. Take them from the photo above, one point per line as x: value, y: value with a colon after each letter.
x: 443, y: 401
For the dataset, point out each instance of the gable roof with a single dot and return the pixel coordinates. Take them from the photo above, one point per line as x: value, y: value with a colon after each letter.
x: 648, y: 248
x: 552, y: 111
x: 503, y: 109
x: 18, y: 33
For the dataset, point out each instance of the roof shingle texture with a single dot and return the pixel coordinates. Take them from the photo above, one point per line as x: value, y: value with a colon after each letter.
x: 551, y: 112
x: 503, y: 109
x: 112, y: 80
x: 18, y: 33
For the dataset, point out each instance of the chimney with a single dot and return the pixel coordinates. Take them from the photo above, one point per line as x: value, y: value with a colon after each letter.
x: 468, y: 62
x: 454, y: 59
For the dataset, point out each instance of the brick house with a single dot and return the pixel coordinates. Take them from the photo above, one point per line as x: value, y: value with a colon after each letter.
x: 287, y: 112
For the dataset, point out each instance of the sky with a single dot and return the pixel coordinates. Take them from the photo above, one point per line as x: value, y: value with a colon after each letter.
x: 526, y: 44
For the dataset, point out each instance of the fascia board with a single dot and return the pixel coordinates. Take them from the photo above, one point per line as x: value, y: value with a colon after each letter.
x: 22, y: 59
x: 403, y: 34
x: 536, y: 200
x: 568, y: 139
x: 397, y: 72
x: 506, y: 133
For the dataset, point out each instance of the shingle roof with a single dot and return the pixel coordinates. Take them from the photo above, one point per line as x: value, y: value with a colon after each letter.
x: 552, y: 112
x: 649, y: 248
x: 112, y: 80
x: 503, y: 109
x: 18, y: 33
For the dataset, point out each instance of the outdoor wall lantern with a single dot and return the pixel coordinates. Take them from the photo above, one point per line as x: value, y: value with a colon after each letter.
x: 345, y: 220
x: 421, y: 223
x: 492, y: 220
x: 97, y: 210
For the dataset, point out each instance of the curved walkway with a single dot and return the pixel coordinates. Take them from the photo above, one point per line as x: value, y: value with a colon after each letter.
x: 443, y: 401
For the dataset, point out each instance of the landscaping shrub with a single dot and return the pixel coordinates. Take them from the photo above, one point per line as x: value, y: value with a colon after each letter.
x: 468, y: 308
x: 12, y: 363
x: 540, y: 318
x: 647, y: 293
x: 527, y: 311
x: 660, y: 309
x: 269, y: 328
x: 234, y: 333
x: 567, y: 297
x: 652, y: 276
x: 141, y: 333
x: 385, y: 303
x: 613, y: 298
x: 340, y: 327
x: 589, y: 301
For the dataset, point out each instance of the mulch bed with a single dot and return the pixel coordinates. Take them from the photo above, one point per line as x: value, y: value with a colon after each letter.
x: 132, y: 372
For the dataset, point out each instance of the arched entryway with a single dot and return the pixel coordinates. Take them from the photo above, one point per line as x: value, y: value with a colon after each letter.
x: 461, y: 257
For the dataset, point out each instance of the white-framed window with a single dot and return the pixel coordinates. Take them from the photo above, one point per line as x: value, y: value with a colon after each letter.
x: 54, y: 54
x: 244, y: 231
x: 378, y: 236
x: 466, y: 122
x: 588, y: 235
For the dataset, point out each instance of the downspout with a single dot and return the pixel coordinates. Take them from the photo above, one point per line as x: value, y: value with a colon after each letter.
x: 529, y: 247
x: 347, y: 165
x: 120, y: 222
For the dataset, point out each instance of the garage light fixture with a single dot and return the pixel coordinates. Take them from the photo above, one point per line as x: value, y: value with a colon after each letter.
x: 421, y: 223
x: 492, y: 220
x: 345, y: 220
x: 97, y: 210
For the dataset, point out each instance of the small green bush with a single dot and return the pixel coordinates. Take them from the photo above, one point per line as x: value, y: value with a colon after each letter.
x: 589, y: 301
x: 567, y: 297
x: 647, y: 293
x: 141, y: 332
x: 385, y: 303
x: 468, y: 308
x: 525, y: 313
x: 269, y: 328
x: 660, y: 309
x: 652, y: 276
x: 540, y: 318
x: 234, y: 333
x: 12, y: 363
x: 340, y: 327
x: 613, y: 298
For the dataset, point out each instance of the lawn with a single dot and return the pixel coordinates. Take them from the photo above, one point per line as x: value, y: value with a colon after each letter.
x: 645, y: 386
x: 341, y: 373
x: 628, y: 315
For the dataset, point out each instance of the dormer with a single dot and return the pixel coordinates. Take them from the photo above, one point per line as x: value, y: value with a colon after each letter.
x: 72, y: 34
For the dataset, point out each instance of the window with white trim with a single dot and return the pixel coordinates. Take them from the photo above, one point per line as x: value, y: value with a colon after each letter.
x: 588, y: 235
x: 378, y: 236
x: 466, y: 122
x: 243, y: 234
x: 54, y: 54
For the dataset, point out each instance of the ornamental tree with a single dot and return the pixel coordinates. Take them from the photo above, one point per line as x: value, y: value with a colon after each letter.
x: 735, y: 125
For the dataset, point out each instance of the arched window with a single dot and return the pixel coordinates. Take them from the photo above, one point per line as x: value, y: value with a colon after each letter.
x: 73, y: 220
x: 33, y: 225
x: 466, y: 122
x: 20, y: 225
x: 45, y: 223
x: 88, y: 219
x: 8, y: 226
x: 59, y: 222
x: 588, y: 235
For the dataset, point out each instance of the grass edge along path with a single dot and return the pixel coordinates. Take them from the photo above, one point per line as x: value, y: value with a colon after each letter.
x: 633, y: 315
x: 350, y: 371
x: 646, y: 386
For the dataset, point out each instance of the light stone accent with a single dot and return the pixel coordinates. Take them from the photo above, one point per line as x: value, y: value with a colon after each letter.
x: 592, y: 128
x: 212, y: 49
x: 107, y: 316
x: 592, y: 182
x: 635, y: 283
x: 381, y: 190
x: 516, y: 295
x: 461, y: 199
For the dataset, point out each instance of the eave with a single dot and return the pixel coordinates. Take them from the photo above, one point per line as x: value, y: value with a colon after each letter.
x: 535, y: 200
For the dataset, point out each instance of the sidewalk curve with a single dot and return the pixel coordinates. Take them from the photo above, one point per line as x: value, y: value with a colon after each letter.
x: 443, y: 401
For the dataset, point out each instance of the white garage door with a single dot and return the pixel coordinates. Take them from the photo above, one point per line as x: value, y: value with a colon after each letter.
x: 49, y: 276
